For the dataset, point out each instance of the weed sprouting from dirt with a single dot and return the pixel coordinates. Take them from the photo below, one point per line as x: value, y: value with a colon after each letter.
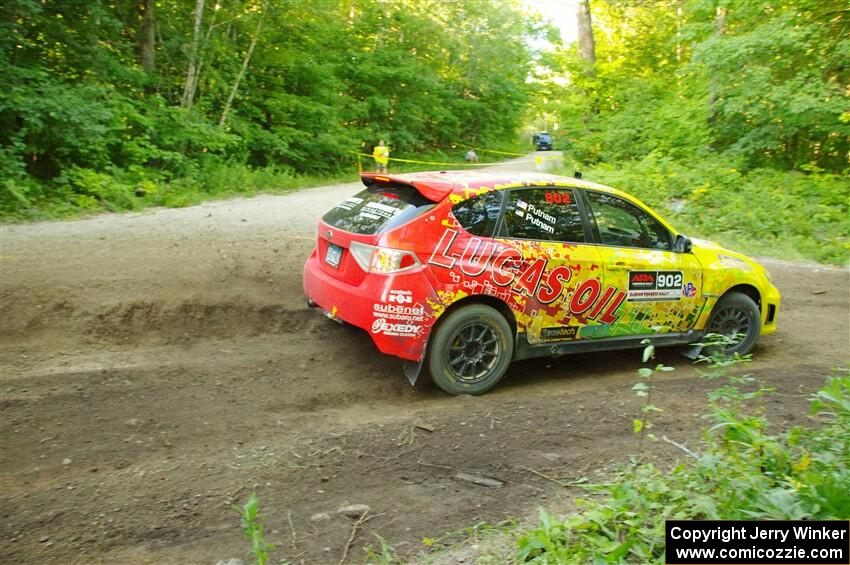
x: 253, y: 530
x: 384, y: 554
x: 741, y: 471
x: 643, y: 389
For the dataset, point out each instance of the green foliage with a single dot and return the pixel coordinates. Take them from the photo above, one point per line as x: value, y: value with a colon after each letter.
x: 384, y: 554
x: 253, y: 530
x: 643, y: 390
x: 736, y: 110
x: 742, y: 471
x: 781, y: 213
x: 761, y: 83
x: 82, y: 124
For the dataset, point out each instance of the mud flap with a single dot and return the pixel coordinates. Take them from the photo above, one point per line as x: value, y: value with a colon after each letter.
x: 411, y: 370
x: 692, y: 351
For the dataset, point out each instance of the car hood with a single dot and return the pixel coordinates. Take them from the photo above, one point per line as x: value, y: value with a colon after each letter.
x: 710, y: 252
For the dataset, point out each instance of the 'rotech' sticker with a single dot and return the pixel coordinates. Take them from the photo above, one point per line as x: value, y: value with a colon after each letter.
x: 558, y: 333
x: 647, y: 286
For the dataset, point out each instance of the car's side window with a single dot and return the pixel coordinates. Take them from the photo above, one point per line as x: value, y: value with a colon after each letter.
x: 623, y: 224
x: 478, y: 215
x: 546, y: 214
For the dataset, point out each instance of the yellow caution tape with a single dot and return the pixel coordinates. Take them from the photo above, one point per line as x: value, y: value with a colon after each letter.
x: 538, y: 159
x: 493, y: 151
x: 426, y: 162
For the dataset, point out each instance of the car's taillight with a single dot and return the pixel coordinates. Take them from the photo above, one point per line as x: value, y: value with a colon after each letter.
x: 382, y: 260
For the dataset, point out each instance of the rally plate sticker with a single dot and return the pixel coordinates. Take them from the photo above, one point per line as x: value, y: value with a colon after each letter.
x: 646, y: 286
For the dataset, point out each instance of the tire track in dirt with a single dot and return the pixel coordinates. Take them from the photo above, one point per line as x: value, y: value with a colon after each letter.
x: 168, y: 357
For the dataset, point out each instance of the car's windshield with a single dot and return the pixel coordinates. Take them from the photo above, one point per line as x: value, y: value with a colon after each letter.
x: 377, y: 209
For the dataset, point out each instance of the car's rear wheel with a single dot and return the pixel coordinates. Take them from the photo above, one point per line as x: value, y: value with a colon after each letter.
x: 470, y: 350
x: 736, y: 317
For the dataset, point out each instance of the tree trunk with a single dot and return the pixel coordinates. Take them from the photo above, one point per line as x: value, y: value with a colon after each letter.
x: 147, y: 48
x: 202, y: 52
x: 679, y: 14
x: 713, y: 96
x: 192, y: 71
x: 586, y: 45
x: 242, y: 70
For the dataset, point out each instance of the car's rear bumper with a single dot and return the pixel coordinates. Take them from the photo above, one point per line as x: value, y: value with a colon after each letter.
x: 397, y: 311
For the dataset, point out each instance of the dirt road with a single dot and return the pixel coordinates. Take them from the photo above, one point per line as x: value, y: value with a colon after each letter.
x: 159, y: 367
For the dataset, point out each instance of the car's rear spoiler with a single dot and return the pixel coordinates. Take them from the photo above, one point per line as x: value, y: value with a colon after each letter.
x: 433, y: 191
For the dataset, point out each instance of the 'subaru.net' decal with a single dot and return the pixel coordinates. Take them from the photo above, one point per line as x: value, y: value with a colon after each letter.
x: 646, y: 286
x: 399, y: 313
x: 398, y: 316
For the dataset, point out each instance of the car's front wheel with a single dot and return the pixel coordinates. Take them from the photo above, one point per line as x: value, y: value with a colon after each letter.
x: 470, y: 350
x: 737, y: 318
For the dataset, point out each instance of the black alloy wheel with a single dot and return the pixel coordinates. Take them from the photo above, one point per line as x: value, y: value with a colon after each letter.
x: 738, y: 318
x: 473, y: 351
x: 470, y: 350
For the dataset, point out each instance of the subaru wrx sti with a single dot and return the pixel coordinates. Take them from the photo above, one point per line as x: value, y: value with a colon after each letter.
x: 461, y: 273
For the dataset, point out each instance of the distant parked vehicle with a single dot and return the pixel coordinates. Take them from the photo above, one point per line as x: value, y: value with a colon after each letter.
x: 542, y: 141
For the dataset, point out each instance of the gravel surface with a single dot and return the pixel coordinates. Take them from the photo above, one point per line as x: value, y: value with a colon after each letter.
x: 159, y: 367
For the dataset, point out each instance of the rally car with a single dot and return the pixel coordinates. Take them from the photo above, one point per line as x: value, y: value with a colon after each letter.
x: 463, y: 272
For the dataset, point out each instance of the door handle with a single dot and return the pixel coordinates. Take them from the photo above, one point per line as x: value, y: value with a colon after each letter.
x: 618, y: 267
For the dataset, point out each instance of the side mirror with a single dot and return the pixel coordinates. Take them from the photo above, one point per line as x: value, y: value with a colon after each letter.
x: 683, y: 244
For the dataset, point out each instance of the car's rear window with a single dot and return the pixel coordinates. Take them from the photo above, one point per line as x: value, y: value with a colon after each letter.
x: 377, y: 209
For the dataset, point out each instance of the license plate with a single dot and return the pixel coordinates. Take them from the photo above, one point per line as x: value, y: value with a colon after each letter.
x: 333, y: 255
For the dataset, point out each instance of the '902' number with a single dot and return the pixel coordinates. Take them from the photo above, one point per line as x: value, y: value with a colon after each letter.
x: 558, y: 197
x: 671, y: 280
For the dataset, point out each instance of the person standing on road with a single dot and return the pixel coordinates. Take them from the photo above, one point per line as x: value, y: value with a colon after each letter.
x: 381, y: 154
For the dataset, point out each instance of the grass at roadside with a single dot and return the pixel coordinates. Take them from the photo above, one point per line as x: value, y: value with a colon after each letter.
x: 743, y: 468
x: 82, y: 192
x: 85, y: 192
x: 784, y: 214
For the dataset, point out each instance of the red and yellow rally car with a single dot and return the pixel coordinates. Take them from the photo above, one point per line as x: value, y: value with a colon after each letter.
x: 464, y: 272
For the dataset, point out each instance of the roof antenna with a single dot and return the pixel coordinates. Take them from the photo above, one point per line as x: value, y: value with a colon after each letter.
x: 577, y: 174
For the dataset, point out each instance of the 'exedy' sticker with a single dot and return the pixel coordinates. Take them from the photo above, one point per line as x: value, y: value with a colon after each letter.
x: 381, y: 325
x: 646, y: 286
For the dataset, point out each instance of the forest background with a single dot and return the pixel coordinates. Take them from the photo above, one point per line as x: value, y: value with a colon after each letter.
x: 730, y: 116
